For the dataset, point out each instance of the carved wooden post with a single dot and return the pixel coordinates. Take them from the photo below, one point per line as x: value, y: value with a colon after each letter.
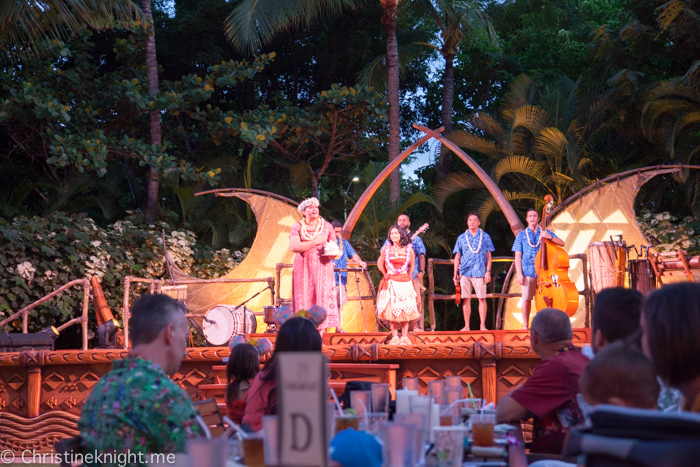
x: 431, y: 293
x: 86, y: 307
x: 125, y: 312
x: 488, y: 379
x: 33, y: 391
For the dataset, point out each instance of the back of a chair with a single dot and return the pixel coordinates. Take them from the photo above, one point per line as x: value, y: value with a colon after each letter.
x: 617, y: 436
x: 69, y: 448
x: 209, y: 411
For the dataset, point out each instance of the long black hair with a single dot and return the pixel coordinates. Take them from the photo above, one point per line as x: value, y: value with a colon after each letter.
x: 405, y: 238
x: 295, y: 335
x: 243, y: 364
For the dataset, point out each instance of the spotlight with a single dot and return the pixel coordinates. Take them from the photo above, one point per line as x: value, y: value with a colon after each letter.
x: 106, y: 333
x: 51, y: 331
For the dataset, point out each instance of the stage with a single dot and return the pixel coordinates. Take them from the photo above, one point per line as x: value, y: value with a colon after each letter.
x: 42, y: 392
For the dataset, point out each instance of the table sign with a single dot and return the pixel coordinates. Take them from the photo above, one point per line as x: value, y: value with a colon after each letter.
x: 301, y: 409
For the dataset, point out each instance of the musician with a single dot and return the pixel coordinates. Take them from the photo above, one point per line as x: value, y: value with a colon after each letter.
x: 526, y: 246
x: 404, y: 221
x: 313, y: 282
x: 341, y: 277
x: 472, y: 267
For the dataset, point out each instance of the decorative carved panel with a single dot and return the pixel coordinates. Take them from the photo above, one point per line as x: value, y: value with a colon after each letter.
x: 53, y: 381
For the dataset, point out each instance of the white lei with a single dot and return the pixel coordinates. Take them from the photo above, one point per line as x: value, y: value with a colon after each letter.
x: 390, y: 267
x: 469, y: 244
x: 527, y: 234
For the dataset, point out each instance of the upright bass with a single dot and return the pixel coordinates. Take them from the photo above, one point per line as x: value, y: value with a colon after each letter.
x: 554, y: 288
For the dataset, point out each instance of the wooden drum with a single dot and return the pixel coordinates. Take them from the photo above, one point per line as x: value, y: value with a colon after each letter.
x: 607, y: 261
x: 642, y: 276
x: 223, y: 321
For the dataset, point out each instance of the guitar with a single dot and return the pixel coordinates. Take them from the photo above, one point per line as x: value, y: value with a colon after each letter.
x: 554, y: 288
x: 420, y: 230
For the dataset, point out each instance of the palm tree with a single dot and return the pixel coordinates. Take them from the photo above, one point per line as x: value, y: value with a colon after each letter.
x: 532, y: 150
x: 672, y: 110
x: 28, y: 26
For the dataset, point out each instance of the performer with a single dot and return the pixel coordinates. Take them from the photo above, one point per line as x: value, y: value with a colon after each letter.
x: 473, y: 267
x: 312, y: 274
x: 526, y: 245
x: 404, y: 221
x: 397, y: 301
x: 341, y: 277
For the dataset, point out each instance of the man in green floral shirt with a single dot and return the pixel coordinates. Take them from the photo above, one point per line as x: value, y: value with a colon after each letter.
x: 136, y: 408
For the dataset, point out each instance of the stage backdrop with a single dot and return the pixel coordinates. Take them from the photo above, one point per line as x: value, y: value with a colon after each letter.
x: 275, y: 218
x: 594, y: 217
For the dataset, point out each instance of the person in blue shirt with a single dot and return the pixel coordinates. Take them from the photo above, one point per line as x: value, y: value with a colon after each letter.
x: 341, y: 277
x: 526, y: 246
x: 404, y: 221
x: 472, y: 267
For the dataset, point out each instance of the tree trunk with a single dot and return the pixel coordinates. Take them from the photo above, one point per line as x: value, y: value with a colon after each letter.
x: 448, y: 86
x: 316, y: 186
x: 156, y: 138
x: 392, y: 53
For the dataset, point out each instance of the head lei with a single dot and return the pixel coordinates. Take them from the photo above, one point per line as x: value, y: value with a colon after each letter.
x: 263, y: 346
x: 316, y: 314
x: 306, y: 203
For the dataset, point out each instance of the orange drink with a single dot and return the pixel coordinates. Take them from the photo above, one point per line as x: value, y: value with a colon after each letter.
x: 253, y: 452
x: 482, y: 429
x: 343, y: 422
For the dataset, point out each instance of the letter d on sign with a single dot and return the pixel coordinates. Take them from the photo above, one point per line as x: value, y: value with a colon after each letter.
x: 300, y: 426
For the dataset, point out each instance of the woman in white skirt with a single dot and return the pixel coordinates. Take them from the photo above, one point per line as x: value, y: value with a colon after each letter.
x: 397, y: 301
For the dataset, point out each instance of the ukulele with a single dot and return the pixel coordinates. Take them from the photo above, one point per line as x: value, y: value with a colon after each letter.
x: 420, y: 230
x: 554, y: 288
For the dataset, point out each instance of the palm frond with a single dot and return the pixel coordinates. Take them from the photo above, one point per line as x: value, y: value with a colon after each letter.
x: 521, y: 165
x: 453, y: 183
x: 470, y: 141
x: 482, y: 121
x: 531, y: 117
x: 489, y: 206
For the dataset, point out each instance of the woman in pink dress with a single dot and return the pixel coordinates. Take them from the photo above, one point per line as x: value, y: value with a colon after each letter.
x: 397, y: 301
x: 313, y: 282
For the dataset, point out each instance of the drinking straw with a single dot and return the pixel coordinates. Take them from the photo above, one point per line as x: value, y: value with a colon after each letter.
x: 235, y: 426
x: 471, y: 395
x: 364, y: 409
x: 204, y: 426
x: 337, y: 402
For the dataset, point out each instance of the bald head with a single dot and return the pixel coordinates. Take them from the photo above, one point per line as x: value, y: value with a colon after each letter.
x: 552, y: 325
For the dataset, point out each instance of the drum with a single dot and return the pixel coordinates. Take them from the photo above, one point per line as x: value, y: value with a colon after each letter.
x: 223, y: 321
x: 642, y: 276
x: 607, y: 261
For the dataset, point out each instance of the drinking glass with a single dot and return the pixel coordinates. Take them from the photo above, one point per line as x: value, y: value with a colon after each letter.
x: 253, y: 450
x: 410, y: 383
x: 361, y: 402
x: 482, y: 429
x: 418, y: 421
x: 453, y: 394
x: 436, y: 389
x: 375, y: 419
x: 270, y: 446
x: 398, y: 449
x: 380, y: 397
x: 422, y: 405
x: 473, y: 404
x: 453, y: 381
x: 207, y: 452
x: 343, y: 422
x: 449, y: 415
x: 449, y: 446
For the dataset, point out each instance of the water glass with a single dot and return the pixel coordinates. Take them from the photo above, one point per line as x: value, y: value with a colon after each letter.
x: 449, y: 446
x: 452, y: 395
x: 422, y: 405
x: 375, y: 419
x: 361, y: 402
x: 436, y: 389
x: 450, y: 415
x: 380, y: 397
x: 418, y: 421
x: 410, y: 383
x: 453, y: 381
x: 398, y: 449
x: 473, y: 404
x: 270, y: 446
x: 204, y: 452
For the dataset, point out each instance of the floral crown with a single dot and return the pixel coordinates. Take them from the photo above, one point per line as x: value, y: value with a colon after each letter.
x: 316, y: 314
x: 306, y: 203
x: 263, y: 346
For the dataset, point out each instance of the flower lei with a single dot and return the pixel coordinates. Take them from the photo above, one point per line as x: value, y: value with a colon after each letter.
x: 390, y: 267
x: 469, y: 243
x: 303, y: 233
x: 527, y: 234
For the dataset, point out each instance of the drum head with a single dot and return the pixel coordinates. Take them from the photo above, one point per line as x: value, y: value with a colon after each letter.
x: 219, y: 332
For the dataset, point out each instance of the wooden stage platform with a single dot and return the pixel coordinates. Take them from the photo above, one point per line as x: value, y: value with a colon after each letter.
x: 42, y: 392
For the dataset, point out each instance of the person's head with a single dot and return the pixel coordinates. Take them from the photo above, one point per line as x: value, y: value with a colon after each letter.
x: 398, y: 236
x: 550, y: 331
x: 309, y: 209
x: 158, y: 330
x: 670, y: 324
x: 243, y: 364
x: 473, y: 221
x: 338, y: 227
x: 298, y: 335
x: 532, y: 217
x: 615, y: 316
x: 620, y: 374
x: 404, y: 221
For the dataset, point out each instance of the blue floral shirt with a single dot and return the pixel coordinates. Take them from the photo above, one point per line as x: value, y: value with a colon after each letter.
x: 523, y: 246
x: 418, y: 249
x: 347, y: 252
x: 470, y: 264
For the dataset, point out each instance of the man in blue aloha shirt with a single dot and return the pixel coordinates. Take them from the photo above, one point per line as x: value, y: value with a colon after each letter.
x: 526, y: 246
x: 472, y: 267
x: 341, y: 277
x: 135, y: 409
x: 418, y: 267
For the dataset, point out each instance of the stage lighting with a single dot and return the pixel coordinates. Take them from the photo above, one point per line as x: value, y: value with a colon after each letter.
x: 106, y: 333
x: 18, y: 342
x: 51, y: 331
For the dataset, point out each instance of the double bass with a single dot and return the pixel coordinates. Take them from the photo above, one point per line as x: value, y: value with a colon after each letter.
x: 554, y: 288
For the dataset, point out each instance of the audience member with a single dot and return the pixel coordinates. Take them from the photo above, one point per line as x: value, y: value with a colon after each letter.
x: 296, y: 335
x: 620, y: 374
x: 550, y: 395
x: 671, y: 338
x: 135, y: 407
x: 616, y: 312
x: 242, y: 366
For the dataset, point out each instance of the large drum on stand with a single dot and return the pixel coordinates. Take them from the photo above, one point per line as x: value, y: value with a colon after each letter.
x: 642, y: 276
x: 607, y: 261
x: 222, y: 322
